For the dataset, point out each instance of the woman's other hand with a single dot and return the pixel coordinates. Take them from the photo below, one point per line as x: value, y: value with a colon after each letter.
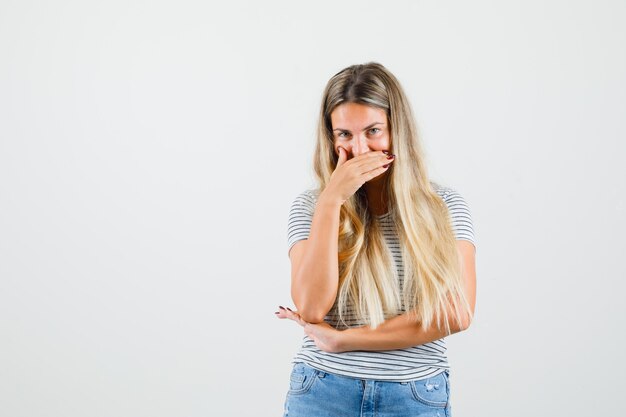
x: 325, y: 336
x: 287, y: 313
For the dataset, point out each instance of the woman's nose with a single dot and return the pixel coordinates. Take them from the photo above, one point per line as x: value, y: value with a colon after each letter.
x: 359, y: 146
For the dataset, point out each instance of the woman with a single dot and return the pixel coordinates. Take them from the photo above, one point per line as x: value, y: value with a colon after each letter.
x: 382, y: 261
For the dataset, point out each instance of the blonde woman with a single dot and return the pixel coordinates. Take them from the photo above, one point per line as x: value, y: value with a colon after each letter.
x: 382, y: 261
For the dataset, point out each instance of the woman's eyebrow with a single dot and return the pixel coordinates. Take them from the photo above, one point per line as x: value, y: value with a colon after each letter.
x: 365, y: 128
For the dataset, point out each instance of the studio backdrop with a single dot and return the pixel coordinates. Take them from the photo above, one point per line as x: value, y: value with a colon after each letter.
x: 150, y: 150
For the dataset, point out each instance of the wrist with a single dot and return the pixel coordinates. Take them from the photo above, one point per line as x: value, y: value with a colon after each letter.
x: 327, y: 198
x: 351, y: 337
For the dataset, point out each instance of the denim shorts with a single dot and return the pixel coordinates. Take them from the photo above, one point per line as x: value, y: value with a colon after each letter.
x: 316, y: 393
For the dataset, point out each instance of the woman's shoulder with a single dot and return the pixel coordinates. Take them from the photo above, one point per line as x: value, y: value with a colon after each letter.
x: 441, y: 189
x: 305, y: 199
x: 453, y: 199
x: 310, y: 194
x: 446, y: 192
x: 459, y: 210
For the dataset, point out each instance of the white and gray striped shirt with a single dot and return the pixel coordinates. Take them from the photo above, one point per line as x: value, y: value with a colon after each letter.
x: 402, y: 365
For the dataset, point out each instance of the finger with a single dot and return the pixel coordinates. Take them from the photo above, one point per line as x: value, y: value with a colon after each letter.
x: 290, y: 314
x: 343, y: 156
x: 374, y: 164
x: 282, y: 314
x: 371, y: 160
x: 375, y: 172
x: 290, y: 311
x: 291, y: 317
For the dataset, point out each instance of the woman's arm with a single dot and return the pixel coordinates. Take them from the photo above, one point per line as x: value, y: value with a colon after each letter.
x: 401, y: 332
x: 396, y: 333
x: 314, y: 262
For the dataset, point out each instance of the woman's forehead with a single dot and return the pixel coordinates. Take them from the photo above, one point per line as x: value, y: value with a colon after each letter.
x: 351, y: 116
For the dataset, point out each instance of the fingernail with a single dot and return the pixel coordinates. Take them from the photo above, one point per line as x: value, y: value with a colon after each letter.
x: 391, y: 156
x: 386, y: 152
x: 289, y: 309
x: 281, y: 307
x: 385, y: 166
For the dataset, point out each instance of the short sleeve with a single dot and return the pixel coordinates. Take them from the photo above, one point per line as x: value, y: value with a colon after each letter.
x: 300, y: 217
x: 460, y: 216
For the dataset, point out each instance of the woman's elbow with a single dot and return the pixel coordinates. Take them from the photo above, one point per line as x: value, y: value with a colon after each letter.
x: 310, y: 314
x: 312, y: 317
x: 311, y: 309
x: 457, y: 326
x: 465, y: 323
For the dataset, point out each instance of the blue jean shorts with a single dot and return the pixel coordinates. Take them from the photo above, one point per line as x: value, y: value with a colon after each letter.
x: 316, y: 393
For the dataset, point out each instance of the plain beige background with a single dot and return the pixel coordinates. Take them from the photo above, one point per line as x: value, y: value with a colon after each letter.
x: 149, y: 152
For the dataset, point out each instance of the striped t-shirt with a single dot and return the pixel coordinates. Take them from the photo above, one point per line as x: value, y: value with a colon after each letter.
x: 402, y: 365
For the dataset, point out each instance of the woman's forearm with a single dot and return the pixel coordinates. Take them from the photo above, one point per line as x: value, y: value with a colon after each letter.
x: 396, y: 333
x: 401, y: 332
x: 315, y: 278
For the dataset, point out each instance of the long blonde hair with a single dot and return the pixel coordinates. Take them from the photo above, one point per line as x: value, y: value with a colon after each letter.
x: 368, y: 282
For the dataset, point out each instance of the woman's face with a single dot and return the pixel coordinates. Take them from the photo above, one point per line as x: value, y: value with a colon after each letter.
x: 359, y: 128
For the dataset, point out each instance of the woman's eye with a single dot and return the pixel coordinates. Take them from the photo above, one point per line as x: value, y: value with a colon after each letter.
x: 374, y: 130
x: 341, y: 134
